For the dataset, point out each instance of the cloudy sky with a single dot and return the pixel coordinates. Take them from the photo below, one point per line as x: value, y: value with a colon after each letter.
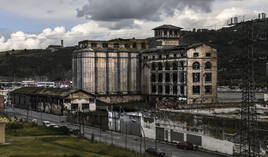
x: 35, y: 24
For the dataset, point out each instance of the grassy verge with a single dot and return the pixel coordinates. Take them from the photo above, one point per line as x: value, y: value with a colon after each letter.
x: 36, y: 141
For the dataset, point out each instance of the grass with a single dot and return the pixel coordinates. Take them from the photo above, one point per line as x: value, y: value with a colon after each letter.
x: 43, y: 142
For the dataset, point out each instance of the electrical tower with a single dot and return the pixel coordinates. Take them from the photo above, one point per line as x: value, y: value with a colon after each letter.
x: 249, y: 139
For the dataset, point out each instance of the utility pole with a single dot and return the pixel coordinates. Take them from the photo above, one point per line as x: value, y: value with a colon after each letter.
x: 249, y: 138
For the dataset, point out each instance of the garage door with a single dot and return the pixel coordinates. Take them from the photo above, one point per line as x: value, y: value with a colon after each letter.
x: 176, y: 136
x: 197, y: 140
x: 160, y: 134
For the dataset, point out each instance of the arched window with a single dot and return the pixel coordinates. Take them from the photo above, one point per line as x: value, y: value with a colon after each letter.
x: 208, y: 65
x: 167, y: 66
x: 196, y: 65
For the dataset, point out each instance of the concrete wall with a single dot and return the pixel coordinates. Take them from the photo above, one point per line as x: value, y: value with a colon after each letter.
x: 2, y: 133
x: 213, y: 144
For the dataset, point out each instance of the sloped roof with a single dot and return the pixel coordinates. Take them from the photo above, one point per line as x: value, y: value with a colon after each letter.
x: 56, y: 92
x: 168, y: 27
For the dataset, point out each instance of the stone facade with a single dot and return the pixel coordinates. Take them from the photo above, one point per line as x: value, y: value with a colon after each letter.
x: 155, y: 68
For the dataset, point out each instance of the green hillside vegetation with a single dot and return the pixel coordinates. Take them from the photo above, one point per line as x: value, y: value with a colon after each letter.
x: 230, y: 43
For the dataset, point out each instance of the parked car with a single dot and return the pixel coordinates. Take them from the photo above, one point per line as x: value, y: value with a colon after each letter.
x: 185, y: 145
x: 156, y: 152
x: 46, y: 123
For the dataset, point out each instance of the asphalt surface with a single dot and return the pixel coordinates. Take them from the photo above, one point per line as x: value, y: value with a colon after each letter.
x: 134, y: 143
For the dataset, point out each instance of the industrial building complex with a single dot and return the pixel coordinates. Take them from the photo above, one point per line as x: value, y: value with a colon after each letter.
x: 154, y: 69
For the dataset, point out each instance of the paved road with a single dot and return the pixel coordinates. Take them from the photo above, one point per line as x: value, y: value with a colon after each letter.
x: 122, y: 140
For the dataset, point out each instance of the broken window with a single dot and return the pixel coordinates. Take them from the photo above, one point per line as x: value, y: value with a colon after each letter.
x: 160, y: 89
x: 134, y: 45
x: 175, y: 77
x: 153, y: 66
x: 116, y: 45
x: 167, y: 78
x: 208, y: 77
x: 167, y: 89
x: 208, y: 54
x: 153, y: 78
x: 175, y: 90
x: 208, y: 89
x: 167, y: 66
x: 196, y: 65
x: 74, y: 107
x: 105, y: 45
x: 143, y: 45
x: 127, y: 46
x: 196, y: 77
x: 160, y: 77
x: 182, y: 90
x: 160, y: 66
x: 175, y: 66
x: 208, y: 65
x: 93, y: 45
x: 153, y: 89
x: 85, y: 106
x: 196, y: 54
x: 196, y: 89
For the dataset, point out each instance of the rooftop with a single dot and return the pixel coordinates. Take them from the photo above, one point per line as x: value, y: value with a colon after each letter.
x: 172, y: 48
x: 168, y: 27
x: 56, y: 92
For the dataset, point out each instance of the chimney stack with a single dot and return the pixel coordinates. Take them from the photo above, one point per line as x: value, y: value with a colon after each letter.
x: 62, y: 43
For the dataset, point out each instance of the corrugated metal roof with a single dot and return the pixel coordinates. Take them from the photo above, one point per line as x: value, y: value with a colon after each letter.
x: 56, y: 92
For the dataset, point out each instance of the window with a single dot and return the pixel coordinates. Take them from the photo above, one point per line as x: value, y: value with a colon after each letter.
x: 208, y: 77
x: 116, y: 45
x: 175, y: 66
x: 134, y: 45
x: 85, y: 106
x: 153, y: 66
x: 208, y: 89
x: 93, y: 45
x: 175, y: 90
x: 176, y: 33
x: 167, y: 66
x: 127, y: 46
x: 160, y: 66
x: 167, y: 56
x: 74, y: 107
x: 105, y: 45
x: 160, y: 89
x: 175, y: 77
x: 182, y: 64
x: 196, y: 54
x: 196, y: 65
x: 208, y: 54
x: 196, y: 77
x: 153, y: 57
x: 196, y: 89
x: 167, y: 78
x: 167, y: 89
x: 160, y: 56
x: 182, y: 77
x: 160, y: 77
x: 182, y: 90
x: 153, y: 78
x: 153, y: 89
x: 143, y: 45
x: 165, y: 32
x: 208, y: 65
x: 170, y: 33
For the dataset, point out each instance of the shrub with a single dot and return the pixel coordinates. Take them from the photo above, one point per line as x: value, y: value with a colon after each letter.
x: 14, y: 126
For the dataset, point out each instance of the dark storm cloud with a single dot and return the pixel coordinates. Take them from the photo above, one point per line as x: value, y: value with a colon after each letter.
x: 116, y: 10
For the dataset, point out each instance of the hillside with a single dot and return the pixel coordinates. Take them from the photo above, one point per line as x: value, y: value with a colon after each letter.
x: 232, y: 51
x: 37, y: 64
x: 230, y: 43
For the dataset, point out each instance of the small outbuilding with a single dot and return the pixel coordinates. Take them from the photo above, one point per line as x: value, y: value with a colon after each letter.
x: 53, y: 100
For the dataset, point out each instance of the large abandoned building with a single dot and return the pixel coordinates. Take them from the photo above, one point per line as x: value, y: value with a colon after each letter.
x: 153, y: 69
